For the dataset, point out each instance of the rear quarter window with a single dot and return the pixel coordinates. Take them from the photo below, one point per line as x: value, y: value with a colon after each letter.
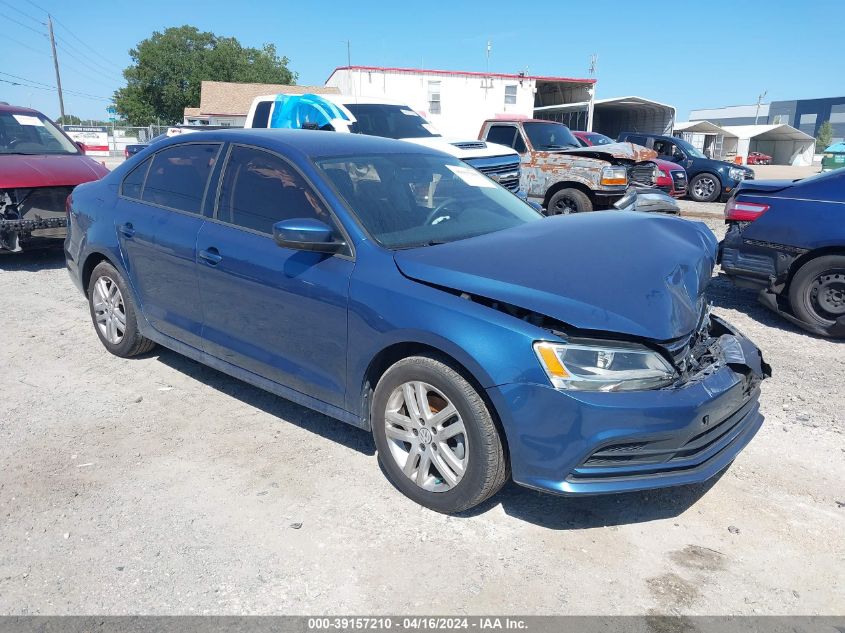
x: 133, y: 183
x: 178, y: 176
x: 261, y: 118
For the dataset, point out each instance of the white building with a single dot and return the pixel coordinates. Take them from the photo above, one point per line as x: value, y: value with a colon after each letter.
x: 457, y: 102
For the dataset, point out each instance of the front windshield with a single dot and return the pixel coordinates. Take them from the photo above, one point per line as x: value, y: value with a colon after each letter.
x: 550, y: 135
x: 409, y: 200
x: 23, y: 133
x: 389, y: 121
x: 689, y: 149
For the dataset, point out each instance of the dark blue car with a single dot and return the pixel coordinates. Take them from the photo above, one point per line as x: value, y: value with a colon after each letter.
x: 787, y: 239
x: 397, y: 289
x: 709, y: 180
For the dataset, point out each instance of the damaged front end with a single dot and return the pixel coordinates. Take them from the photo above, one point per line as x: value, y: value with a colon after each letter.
x: 32, y: 215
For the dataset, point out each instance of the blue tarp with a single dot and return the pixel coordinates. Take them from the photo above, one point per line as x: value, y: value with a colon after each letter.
x: 294, y: 111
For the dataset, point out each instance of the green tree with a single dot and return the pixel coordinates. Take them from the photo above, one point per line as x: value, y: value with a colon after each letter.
x: 169, y: 67
x: 824, y: 137
x: 69, y: 119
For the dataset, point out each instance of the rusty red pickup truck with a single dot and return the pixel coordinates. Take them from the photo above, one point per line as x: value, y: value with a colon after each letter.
x: 564, y: 177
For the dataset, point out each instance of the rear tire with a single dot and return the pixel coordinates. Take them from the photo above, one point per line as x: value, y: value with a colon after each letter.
x: 114, y: 314
x: 817, y: 292
x: 447, y: 454
x: 704, y: 188
x: 568, y: 201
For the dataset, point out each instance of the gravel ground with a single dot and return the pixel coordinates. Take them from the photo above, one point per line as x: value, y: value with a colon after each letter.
x: 159, y: 486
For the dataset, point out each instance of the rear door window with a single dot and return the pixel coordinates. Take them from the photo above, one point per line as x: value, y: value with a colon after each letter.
x: 178, y: 176
x: 134, y: 181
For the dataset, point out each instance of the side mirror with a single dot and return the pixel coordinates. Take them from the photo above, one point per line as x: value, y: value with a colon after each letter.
x: 80, y: 146
x: 305, y: 234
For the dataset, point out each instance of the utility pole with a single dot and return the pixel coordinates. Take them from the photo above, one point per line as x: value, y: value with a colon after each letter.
x: 594, y: 62
x: 759, y: 101
x: 56, y: 66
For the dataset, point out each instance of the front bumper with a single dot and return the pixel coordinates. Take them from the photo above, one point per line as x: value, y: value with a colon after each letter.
x: 577, y: 443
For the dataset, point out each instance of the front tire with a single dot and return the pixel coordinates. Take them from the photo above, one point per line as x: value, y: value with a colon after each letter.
x: 113, y: 313
x: 817, y: 292
x: 705, y: 188
x: 435, y: 436
x: 568, y: 201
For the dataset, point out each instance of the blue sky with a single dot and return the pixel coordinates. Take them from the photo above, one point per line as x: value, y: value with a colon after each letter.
x: 687, y: 54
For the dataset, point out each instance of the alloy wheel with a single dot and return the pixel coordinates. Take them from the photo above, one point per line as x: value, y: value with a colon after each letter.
x: 426, y: 436
x: 109, y: 310
x: 704, y: 187
x: 565, y: 206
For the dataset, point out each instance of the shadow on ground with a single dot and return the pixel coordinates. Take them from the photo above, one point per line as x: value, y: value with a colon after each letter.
x: 549, y: 511
x: 34, y: 260
x: 576, y: 513
x: 285, y: 410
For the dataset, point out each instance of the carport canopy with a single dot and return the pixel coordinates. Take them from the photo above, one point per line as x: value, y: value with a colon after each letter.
x: 784, y: 143
x: 632, y: 114
x: 700, y: 127
x: 613, y: 116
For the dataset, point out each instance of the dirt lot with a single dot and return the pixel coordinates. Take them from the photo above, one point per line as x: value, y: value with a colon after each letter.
x: 160, y: 486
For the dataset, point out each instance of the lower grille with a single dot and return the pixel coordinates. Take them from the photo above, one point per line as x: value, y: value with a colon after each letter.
x: 636, y: 459
x: 679, y: 180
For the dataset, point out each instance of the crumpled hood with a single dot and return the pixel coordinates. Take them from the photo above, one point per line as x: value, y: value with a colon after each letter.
x: 626, y: 151
x: 626, y: 273
x: 46, y: 170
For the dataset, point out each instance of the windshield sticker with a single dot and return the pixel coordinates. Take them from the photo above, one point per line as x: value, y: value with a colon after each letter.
x: 25, y: 119
x: 471, y: 177
x: 409, y: 112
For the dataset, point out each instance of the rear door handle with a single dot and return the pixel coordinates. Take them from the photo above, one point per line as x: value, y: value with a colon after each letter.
x: 211, y: 256
x: 127, y: 229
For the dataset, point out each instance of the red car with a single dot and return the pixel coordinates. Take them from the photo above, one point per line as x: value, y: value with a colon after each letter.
x: 39, y: 167
x: 759, y: 158
x: 671, y: 177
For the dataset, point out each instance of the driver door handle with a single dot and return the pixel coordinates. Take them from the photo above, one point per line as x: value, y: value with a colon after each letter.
x: 127, y: 230
x: 211, y: 256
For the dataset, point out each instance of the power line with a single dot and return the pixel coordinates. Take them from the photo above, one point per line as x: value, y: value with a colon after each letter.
x: 67, y: 46
x: 44, y: 86
x: 19, y: 43
x: 32, y: 81
x: 24, y: 13
x: 96, y: 53
x: 98, y: 71
x: 19, y: 23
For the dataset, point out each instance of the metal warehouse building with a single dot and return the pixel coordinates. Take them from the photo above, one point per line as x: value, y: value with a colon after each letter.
x: 806, y: 115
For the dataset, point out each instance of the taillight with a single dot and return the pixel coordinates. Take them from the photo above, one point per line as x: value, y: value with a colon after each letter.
x: 125, y: 153
x: 68, y: 203
x: 744, y: 211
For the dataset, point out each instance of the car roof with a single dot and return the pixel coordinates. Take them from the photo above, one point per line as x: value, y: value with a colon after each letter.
x: 311, y: 143
x: 5, y: 107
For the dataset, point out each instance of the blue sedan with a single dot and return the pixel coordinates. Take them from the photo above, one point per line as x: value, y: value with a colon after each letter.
x: 786, y: 239
x: 395, y: 288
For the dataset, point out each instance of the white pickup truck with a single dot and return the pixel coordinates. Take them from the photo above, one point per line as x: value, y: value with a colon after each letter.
x: 380, y: 117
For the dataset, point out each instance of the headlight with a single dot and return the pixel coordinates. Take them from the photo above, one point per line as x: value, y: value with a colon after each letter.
x: 828, y: 155
x: 614, y: 176
x: 737, y: 174
x: 604, y: 366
